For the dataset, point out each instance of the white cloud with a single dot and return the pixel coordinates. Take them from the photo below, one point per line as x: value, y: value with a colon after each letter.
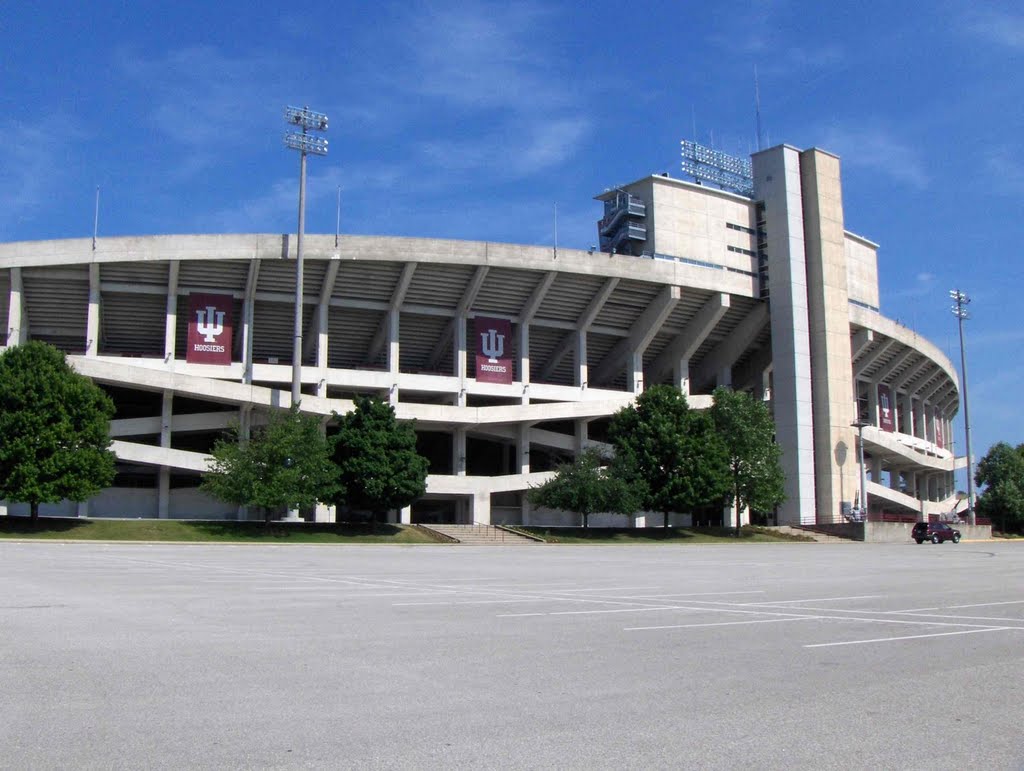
x: 997, y: 27
x: 877, y: 149
x: 31, y: 168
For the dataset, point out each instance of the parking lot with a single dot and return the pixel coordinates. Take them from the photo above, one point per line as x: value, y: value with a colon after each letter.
x: 543, y: 656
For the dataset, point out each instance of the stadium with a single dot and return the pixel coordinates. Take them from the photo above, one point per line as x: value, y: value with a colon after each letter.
x: 511, y: 358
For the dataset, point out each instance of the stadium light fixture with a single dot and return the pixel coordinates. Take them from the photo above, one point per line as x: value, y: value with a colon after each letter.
x: 306, y: 143
x: 960, y: 301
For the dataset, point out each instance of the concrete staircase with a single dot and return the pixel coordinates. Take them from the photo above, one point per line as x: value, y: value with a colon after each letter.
x: 480, y: 535
x: 810, y: 532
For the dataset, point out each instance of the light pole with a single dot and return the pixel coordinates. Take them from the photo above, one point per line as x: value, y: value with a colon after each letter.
x: 304, y: 142
x: 862, y: 500
x: 959, y: 309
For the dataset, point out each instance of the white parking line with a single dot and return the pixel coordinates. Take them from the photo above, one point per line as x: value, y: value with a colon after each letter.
x: 910, y: 637
x: 721, y: 623
x: 819, y: 599
x: 985, y: 604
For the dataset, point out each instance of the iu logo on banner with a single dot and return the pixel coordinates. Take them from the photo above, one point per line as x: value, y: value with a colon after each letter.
x: 494, y: 350
x: 209, y: 329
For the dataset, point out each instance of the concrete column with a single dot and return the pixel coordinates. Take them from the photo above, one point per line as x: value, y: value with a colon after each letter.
x: 164, y: 495
x: 919, y: 421
x: 636, y: 372
x: 82, y: 509
x: 581, y: 436
x: 894, y: 479
x: 522, y: 450
x: 460, y: 350
x: 524, y: 361
x: 724, y: 377
x: 876, y: 470
x: 15, y: 311
x: 906, y: 413
x: 405, y: 515
x: 777, y: 182
x: 394, y: 351
x: 322, y: 349
x: 873, y: 415
x: 92, y: 321
x: 581, y: 358
x: 459, y: 452
x: 171, y: 313
x: 244, y: 431
x: 681, y: 376
x: 481, y: 512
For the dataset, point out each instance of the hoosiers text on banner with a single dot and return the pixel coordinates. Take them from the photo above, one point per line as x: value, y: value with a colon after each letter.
x: 209, y: 329
x: 493, y: 350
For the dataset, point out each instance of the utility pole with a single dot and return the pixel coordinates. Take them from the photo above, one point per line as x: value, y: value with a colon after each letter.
x: 959, y: 309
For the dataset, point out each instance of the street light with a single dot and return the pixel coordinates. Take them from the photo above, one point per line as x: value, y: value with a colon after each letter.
x: 959, y: 309
x: 305, y: 143
x: 862, y: 501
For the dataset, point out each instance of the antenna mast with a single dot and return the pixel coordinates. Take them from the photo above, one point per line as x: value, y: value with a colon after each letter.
x: 757, y: 107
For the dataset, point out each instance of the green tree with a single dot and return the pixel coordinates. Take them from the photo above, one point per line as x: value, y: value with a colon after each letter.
x: 586, y: 486
x: 283, y: 464
x: 54, y: 429
x: 747, y: 430
x: 670, y: 453
x: 380, y: 468
x: 1001, y: 471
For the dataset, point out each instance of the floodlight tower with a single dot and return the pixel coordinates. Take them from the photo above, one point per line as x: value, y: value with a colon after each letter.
x: 959, y: 309
x: 304, y: 142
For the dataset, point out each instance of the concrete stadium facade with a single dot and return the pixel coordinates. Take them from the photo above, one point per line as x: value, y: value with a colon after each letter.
x: 693, y: 286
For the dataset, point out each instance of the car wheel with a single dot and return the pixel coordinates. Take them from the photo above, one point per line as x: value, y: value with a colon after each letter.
x: 956, y: 538
x: 936, y: 539
x: 919, y: 540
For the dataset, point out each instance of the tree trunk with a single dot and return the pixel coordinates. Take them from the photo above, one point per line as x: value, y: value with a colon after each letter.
x: 34, y: 510
x: 586, y: 516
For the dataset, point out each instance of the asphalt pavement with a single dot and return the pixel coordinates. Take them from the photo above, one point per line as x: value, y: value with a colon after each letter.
x: 764, y: 656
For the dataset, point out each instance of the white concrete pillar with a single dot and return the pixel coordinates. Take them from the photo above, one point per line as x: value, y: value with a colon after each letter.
x: 636, y: 372
x: 171, y: 313
x: 681, y: 376
x: 164, y: 495
x: 906, y: 413
x: 919, y: 422
x: 461, y: 365
x: 873, y: 416
x: 82, y: 509
x: 459, y: 452
x: 876, y: 470
x: 92, y: 321
x: 524, y: 361
x: 582, y: 431
x: 522, y: 449
x: 481, y: 512
x: 405, y: 515
x: 3, y: 508
x: 15, y: 311
x: 582, y: 372
x: 394, y: 352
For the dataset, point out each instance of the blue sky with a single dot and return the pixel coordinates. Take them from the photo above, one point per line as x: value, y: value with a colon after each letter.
x: 475, y: 120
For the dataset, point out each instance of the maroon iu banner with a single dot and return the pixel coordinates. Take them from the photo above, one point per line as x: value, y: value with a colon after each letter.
x: 493, y: 350
x: 886, y: 417
x: 209, y: 329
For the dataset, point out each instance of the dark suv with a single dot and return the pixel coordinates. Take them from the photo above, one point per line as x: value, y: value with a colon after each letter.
x: 936, y: 532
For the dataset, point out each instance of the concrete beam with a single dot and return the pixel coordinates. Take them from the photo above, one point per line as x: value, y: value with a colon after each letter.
x: 640, y: 334
x: 886, y: 371
x: 468, y: 298
x: 869, y: 360
x: 532, y: 305
x: 862, y: 338
x: 380, y: 337
x: 732, y: 347
x: 318, y: 323
x: 689, y: 340
x: 583, y: 324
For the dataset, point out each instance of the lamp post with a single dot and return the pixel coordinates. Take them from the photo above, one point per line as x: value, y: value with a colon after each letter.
x: 862, y: 499
x: 304, y: 142
x: 959, y: 309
